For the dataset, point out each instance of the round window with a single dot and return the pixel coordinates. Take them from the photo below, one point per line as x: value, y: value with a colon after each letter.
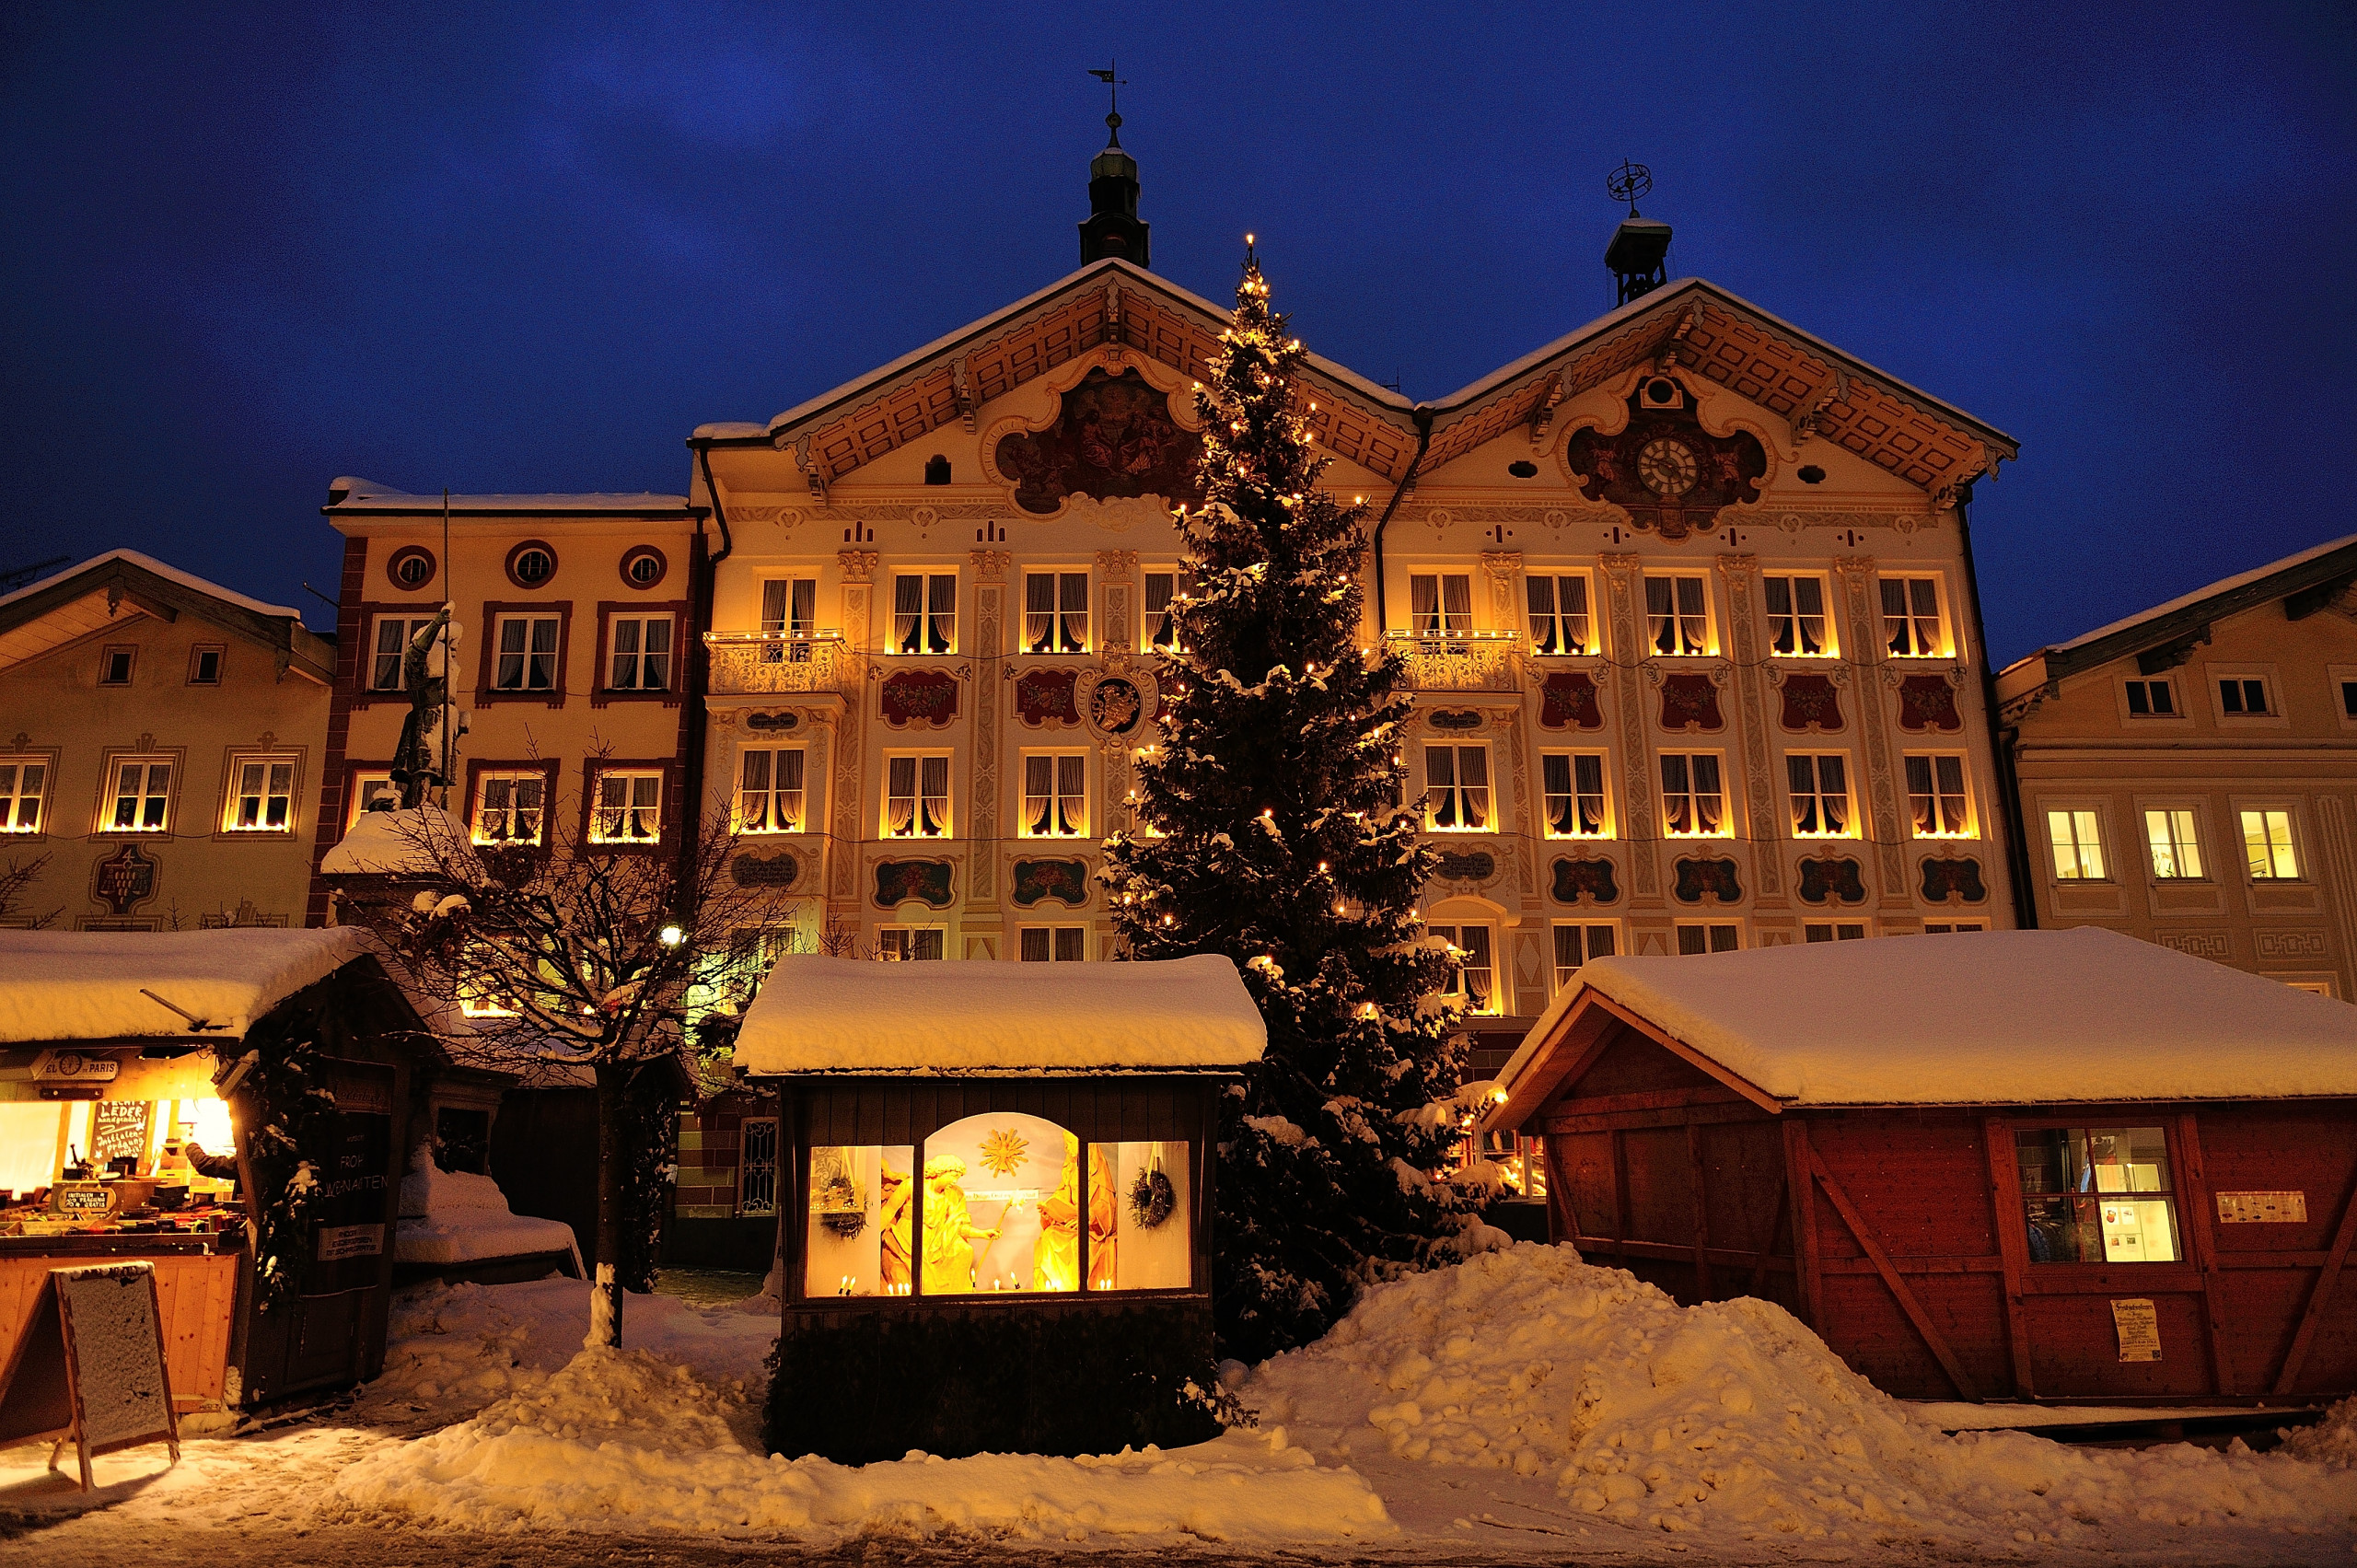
x: 531, y: 564
x: 1522, y: 467
x: 411, y: 568
x: 644, y: 566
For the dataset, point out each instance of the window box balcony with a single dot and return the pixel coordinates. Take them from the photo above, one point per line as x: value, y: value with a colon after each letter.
x: 750, y: 662
x: 1457, y: 661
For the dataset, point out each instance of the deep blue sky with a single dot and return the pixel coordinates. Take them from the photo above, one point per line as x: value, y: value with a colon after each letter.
x: 248, y: 249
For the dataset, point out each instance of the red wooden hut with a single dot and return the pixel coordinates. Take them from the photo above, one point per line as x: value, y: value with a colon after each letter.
x: 2049, y: 1165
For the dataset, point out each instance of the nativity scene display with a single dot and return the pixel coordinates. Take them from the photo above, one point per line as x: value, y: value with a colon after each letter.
x: 1113, y: 437
x: 993, y: 1205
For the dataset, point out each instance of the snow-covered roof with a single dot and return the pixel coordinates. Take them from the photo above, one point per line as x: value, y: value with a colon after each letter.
x: 173, y: 574
x: 821, y: 1015
x: 2222, y: 585
x: 2000, y: 1017
x: 88, y: 985
x: 351, y: 495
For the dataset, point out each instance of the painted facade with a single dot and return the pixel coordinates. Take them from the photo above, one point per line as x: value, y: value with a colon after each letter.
x: 161, y: 739
x: 2189, y: 776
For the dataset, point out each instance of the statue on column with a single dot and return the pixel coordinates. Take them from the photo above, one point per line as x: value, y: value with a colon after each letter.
x: 425, y: 680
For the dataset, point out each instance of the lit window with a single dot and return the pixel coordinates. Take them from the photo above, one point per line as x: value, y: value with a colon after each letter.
x: 1797, y: 626
x: 394, y: 633
x: 265, y: 796
x: 1677, y: 615
x: 23, y: 782
x: 859, y: 1225
x: 510, y: 807
x: 924, y: 613
x: 1834, y: 930
x: 1559, y: 616
x: 1575, y: 945
x: 1055, y: 613
x: 1943, y: 928
x: 903, y: 943
x: 1456, y: 789
x: 2241, y: 698
x: 204, y: 667
x: 115, y: 666
x: 480, y: 996
x: 1820, y: 791
x: 1911, y: 623
x: 629, y: 808
x: 790, y: 612
x: 1440, y: 604
x: 527, y: 650
x: 1693, y: 804
x: 2151, y: 699
x: 769, y: 790
x: 2078, y: 845
x: 2097, y: 1195
x: 1572, y: 788
x: 640, y: 649
x: 1936, y: 798
x: 1053, y: 944
x: 372, y: 785
x: 142, y: 791
x: 1477, y: 977
x: 1055, y: 796
x: 1709, y: 937
x: 2177, y: 850
x: 1163, y: 589
x: 2266, y: 844
x: 916, y: 797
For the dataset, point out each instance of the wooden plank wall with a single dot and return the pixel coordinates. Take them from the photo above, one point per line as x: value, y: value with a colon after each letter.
x: 198, y: 1299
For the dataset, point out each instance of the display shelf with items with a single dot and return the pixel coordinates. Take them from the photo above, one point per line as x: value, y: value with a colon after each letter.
x: 2097, y: 1195
x: 119, y: 1167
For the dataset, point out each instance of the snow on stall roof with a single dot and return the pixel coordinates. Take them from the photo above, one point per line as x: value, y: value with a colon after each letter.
x: 367, y: 495
x: 2224, y: 585
x: 87, y: 984
x: 821, y: 1015
x: 1997, y: 1018
x: 161, y: 569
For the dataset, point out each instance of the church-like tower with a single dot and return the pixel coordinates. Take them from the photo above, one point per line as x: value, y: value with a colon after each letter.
x: 1113, y: 228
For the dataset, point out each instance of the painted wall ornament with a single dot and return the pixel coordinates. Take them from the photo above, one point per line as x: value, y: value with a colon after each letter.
x: 1690, y: 702
x: 1116, y: 705
x: 1811, y: 703
x: 1567, y: 701
x: 776, y: 872
x: 1477, y: 867
x: 1448, y: 718
x: 926, y: 697
x: 1044, y: 697
x: 1829, y: 878
x: 1715, y: 877
x: 898, y: 881
x: 1112, y: 437
x: 1065, y: 882
x: 1584, y: 878
x: 1670, y: 474
x: 1928, y: 702
x: 125, y: 879
x: 1958, y: 877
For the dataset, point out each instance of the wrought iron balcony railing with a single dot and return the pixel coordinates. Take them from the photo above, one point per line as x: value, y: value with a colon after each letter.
x: 1457, y: 661
x: 745, y: 662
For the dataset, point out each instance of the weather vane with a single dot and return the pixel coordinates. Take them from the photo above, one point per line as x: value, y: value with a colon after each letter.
x: 1113, y: 84
x: 1628, y: 182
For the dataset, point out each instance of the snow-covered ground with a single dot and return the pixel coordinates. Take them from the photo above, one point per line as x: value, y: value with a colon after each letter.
x: 1521, y: 1407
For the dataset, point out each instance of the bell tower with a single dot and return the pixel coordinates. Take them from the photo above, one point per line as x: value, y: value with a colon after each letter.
x: 1638, y: 256
x: 1112, y: 227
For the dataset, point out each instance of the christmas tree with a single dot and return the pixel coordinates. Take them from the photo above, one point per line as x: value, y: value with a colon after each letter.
x: 1273, y: 830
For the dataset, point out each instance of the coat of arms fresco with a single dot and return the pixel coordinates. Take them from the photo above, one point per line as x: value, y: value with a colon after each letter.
x: 1112, y: 437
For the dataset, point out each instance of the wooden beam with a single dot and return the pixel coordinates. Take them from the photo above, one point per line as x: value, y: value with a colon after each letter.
x: 2013, y: 1243
x: 1619, y: 1185
x: 1736, y: 1110
x: 2168, y: 656
x: 1669, y: 1252
x: 1933, y: 1339
x: 1782, y: 1213
x: 2193, y: 1189
x: 1649, y: 1099
x: 2328, y: 1278
x: 1798, y: 1164
x: 1701, y: 1212
x: 1688, y: 1055
x: 2318, y: 595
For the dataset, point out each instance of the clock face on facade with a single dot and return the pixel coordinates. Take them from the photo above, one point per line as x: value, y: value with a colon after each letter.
x: 1667, y: 466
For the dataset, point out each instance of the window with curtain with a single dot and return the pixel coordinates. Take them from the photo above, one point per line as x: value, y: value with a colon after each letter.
x: 1797, y: 624
x: 1713, y: 937
x: 769, y: 790
x: 1693, y: 805
x: 143, y: 795
x: 527, y: 652
x: 23, y: 781
x: 1456, y: 789
x: 924, y: 613
x: 1163, y: 590
x: 1440, y: 603
x: 1053, y: 944
x: 509, y: 808
x: 916, y: 797
x: 1055, y: 795
x: 393, y: 635
x: 628, y: 808
x: 639, y: 653
x: 1677, y: 615
x: 1820, y: 793
x: 1937, y: 799
x: 1477, y: 976
x: 1573, y: 792
x: 789, y: 612
x: 264, y: 802
x: 1055, y: 613
x: 1911, y: 625
x: 1558, y: 617
x: 1575, y: 944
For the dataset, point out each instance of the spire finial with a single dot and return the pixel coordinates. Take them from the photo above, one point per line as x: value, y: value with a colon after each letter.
x: 1114, y: 84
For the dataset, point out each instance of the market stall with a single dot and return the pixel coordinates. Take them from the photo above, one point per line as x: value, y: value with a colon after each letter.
x: 997, y: 1225
x: 229, y: 1106
x: 2052, y: 1165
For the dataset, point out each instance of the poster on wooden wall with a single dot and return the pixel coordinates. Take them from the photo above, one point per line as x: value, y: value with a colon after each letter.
x: 2139, y: 1328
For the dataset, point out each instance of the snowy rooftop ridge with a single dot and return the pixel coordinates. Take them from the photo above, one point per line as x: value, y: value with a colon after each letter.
x: 821, y: 1015
x: 1997, y: 1018
x: 2222, y: 585
x: 87, y: 985
x: 173, y: 574
x: 367, y: 495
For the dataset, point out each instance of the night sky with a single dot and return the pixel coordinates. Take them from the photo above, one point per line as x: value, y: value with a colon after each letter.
x: 246, y: 249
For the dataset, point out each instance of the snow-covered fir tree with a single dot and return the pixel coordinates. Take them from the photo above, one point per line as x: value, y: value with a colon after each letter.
x: 1279, y: 837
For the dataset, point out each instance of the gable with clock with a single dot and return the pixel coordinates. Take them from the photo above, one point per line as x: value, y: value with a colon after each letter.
x: 1670, y: 474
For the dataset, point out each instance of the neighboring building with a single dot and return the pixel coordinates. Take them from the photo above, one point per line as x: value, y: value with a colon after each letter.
x: 2186, y: 775
x: 576, y: 615
x: 161, y: 739
x: 1686, y: 596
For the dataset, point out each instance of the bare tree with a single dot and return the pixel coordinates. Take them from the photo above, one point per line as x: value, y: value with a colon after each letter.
x: 17, y: 879
x: 588, y: 950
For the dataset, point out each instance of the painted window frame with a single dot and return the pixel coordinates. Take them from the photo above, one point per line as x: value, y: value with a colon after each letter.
x: 1819, y: 801
x: 612, y: 615
x: 232, y: 794
x: 1545, y: 623
x: 918, y: 796
x: 1061, y: 628
x: 1677, y: 622
x: 928, y: 625
x: 1938, y: 794
x: 1907, y: 621
x: 1049, y: 807
x: 481, y: 770
x: 1441, y: 617
x: 495, y: 612
x: 12, y: 801
x: 596, y: 809
x: 173, y: 758
x: 772, y: 791
x: 1692, y: 793
x: 1828, y: 637
x: 1549, y: 796
x: 1464, y: 798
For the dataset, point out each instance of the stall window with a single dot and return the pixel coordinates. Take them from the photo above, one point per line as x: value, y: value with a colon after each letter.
x: 1572, y: 787
x: 860, y: 1234
x: 2097, y: 1195
x: 1820, y: 791
x: 757, y: 1167
x: 1476, y: 981
x: 2267, y: 847
x: 769, y: 790
x: 143, y: 793
x: 1456, y: 789
x: 1575, y: 944
x: 1559, y: 615
x: 1678, y: 614
x: 1693, y: 805
x: 1141, y: 1216
x: 2077, y: 837
x: 1055, y: 613
x: 1797, y: 625
x: 924, y: 613
x: 2177, y: 847
x: 1002, y: 1207
x: 1440, y: 604
x: 23, y: 782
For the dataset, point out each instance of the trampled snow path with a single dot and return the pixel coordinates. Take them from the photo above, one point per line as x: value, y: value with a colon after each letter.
x: 1522, y: 1407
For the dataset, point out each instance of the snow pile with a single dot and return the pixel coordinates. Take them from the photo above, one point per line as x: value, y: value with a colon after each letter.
x: 422, y: 842
x: 453, y: 1217
x: 1728, y: 1417
x: 621, y: 1440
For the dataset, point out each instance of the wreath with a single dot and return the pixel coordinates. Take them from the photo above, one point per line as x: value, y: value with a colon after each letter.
x: 1151, y: 1199
x: 840, y: 1201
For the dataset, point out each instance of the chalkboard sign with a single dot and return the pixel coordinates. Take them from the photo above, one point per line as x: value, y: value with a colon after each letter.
x: 118, y: 1131
x: 91, y: 1370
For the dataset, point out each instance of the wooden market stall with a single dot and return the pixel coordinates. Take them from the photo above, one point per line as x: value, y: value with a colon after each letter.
x: 2039, y: 1164
x: 997, y: 1233
x: 129, y: 1060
